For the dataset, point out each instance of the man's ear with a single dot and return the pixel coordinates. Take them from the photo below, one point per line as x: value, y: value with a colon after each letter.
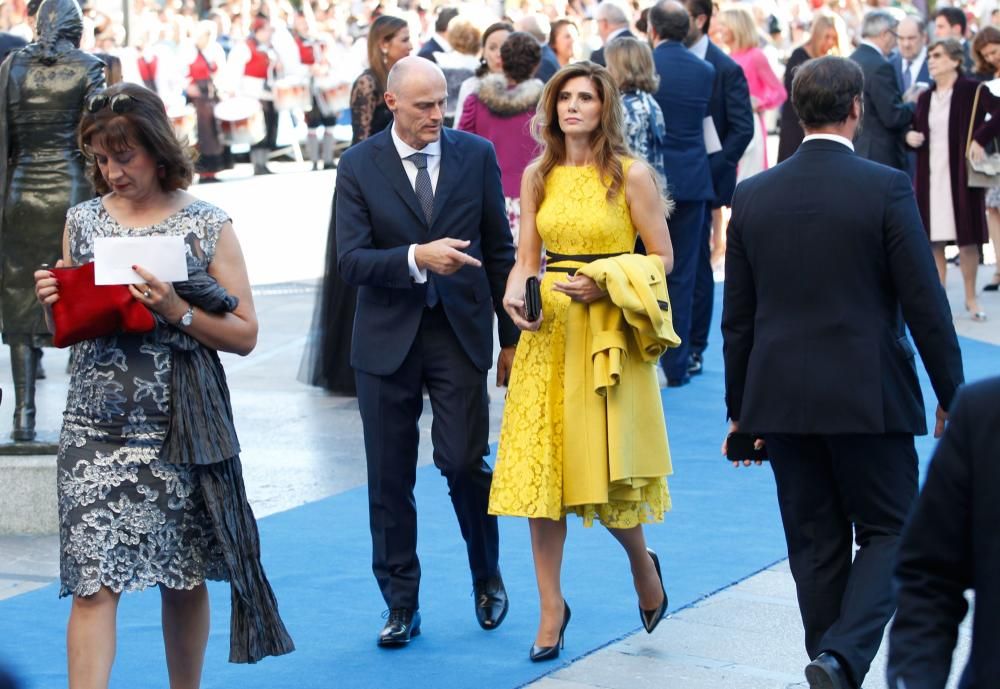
x: 390, y: 100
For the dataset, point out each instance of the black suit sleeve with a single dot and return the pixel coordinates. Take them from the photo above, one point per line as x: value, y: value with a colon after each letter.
x: 361, y: 263
x: 915, y: 279
x: 498, y: 246
x: 885, y: 99
x: 935, y: 563
x: 739, y: 306
x: 739, y: 112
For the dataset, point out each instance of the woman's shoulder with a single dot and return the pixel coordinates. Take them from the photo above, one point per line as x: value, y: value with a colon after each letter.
x: 208, y: 211
x: 88, y: 208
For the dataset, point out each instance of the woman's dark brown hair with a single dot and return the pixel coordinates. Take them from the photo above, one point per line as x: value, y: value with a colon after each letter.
x: 985, y: 36
x: 484, y: 68
x: 140, y: 120
x: 520, y: 54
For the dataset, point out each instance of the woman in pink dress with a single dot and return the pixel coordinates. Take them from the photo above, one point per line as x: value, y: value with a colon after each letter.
x: 735, y: 28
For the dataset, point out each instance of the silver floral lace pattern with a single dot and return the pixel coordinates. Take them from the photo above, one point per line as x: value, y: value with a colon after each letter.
x: 127, y: 520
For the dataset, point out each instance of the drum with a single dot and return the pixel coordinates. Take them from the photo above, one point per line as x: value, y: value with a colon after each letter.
x: 241, y: 121
x: 292, y: 93
x: 184, y: 119
x: 332, y: 96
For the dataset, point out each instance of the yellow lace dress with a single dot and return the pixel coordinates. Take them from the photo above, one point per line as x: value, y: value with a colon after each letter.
x: 575, y: 218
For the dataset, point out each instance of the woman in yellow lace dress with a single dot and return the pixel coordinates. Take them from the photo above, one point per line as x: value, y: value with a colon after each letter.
x: 584, y: 197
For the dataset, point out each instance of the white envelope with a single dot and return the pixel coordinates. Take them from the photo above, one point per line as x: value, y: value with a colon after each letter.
x: 164, y: 257
x: 712, y: 143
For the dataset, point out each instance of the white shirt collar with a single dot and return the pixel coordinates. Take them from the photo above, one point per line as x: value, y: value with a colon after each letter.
x: 443, y: 42
x: 700, y: 47
x: 873, y: 47
x: 405, y: 150
x: 615, y: 34
x: 830, y: 137
x: 918, y: 60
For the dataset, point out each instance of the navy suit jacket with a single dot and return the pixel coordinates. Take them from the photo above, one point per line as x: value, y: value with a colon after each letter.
x: 950, y: 545
x: 598, y: 55
x: 825, y: 252
x: 686, y: 83
x: 886, y: 117
x: 896, y: 60
x: 379, y: 216
x: 732, y: 114
x: 549, y: 64
x: 428, y: 49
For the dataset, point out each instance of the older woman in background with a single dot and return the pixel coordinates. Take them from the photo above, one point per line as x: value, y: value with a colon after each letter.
x: 953, y: 211
x: 489, y: 63
x: 460, y: 63
x: 986, y: 54
x: 501, y: 111
x: 564, y: 39
x: 822, y: 40
x: 630, y: 63
x: 738, y: 31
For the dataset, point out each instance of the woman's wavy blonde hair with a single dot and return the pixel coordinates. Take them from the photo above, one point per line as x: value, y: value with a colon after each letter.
x: 607, y: 141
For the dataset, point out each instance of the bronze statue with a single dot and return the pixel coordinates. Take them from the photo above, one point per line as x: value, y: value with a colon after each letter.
x: 44, y: 87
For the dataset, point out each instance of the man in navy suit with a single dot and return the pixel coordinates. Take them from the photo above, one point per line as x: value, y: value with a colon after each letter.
x: 827, y: 259
x: 612, y: 22
x: 950, y: 545
x: 422, y: 233
x: 537, y: 25
x: 910, y: 64
x: 686, y: 83
x: 886, y: 116
x: 732, y: 115
x: 438, y: 43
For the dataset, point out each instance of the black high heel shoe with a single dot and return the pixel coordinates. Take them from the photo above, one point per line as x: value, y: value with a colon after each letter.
x: 541, y: 653
x: 651, y: 618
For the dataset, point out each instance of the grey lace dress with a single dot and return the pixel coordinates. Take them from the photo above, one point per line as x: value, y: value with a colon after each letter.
x: 129, y: 521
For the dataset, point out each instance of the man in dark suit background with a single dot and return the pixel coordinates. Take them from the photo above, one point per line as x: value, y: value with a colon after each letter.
x: 886, y: 116
x: 422, y: 233
x: 950, y: 22
x: 537, y: 25
x: 732, y: 115
x: 685, y: 90
x: 950, y: 545
x: 910, y: 65
x: 438, y: 43
x: 826, y: 260
x: 612, y: 22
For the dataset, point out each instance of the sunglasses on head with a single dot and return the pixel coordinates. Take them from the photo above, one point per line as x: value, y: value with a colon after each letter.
x: 118, y: 104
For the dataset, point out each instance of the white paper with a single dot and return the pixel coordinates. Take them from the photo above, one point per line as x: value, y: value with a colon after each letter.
x: 164, y: 257
x: 712, y: 143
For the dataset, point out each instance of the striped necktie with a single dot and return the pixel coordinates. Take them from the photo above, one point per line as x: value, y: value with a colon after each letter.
x: 423, y: 188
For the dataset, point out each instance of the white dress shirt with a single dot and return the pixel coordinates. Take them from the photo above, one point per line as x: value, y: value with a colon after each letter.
x: 915, y: 65
x: 700, y: 47
x: 830, y: 137
x: 433, y: 152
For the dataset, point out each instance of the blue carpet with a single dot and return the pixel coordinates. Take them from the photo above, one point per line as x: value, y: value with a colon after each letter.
x: 724, y: 527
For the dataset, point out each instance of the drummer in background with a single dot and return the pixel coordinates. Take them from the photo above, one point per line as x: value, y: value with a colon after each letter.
x: 314, y: 57
x: 204, y: 57
x: 253, y: 64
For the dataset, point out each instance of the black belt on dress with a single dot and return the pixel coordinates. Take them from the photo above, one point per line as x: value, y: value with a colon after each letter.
x: 552, y: 257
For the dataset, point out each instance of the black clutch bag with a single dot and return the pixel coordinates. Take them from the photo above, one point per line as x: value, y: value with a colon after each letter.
x: 532, y: 299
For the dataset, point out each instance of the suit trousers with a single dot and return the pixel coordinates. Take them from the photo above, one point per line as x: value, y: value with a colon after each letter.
x: 831, y: 487
x: 390, y: 409
x: 704, y: 291
x: 687, y: 226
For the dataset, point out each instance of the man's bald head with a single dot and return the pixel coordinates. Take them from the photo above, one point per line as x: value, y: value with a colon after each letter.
x: 417, y: 93
x: 414, y: 71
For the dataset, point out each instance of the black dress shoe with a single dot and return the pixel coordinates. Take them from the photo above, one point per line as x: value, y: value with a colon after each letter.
x: 403, y: 624
x: 826, y: 672
x: 651, y: 618
x: 539, y: 654
x: 695, y: 365
x: 491, y: 602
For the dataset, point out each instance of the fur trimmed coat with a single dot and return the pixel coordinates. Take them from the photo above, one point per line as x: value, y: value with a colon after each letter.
x: 502, y: 114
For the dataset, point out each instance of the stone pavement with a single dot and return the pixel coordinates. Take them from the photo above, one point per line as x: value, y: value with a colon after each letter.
x: 747, y: 636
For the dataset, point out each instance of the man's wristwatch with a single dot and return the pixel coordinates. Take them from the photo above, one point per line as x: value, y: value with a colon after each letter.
x: 187, y: 318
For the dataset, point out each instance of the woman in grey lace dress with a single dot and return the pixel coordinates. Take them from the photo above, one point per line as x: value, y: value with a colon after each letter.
x: 142, y: 503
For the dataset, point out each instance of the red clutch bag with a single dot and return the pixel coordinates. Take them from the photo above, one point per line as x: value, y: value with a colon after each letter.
x: 85, y: 310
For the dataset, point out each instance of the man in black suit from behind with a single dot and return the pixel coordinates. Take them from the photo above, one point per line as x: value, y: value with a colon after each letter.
x: 826, y: 261
x: 612, y: 22
x: 732, y: 115
x: 950, y: 545
x: 423, y: 234
x: 438, y: 43
x: 886, y: 116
